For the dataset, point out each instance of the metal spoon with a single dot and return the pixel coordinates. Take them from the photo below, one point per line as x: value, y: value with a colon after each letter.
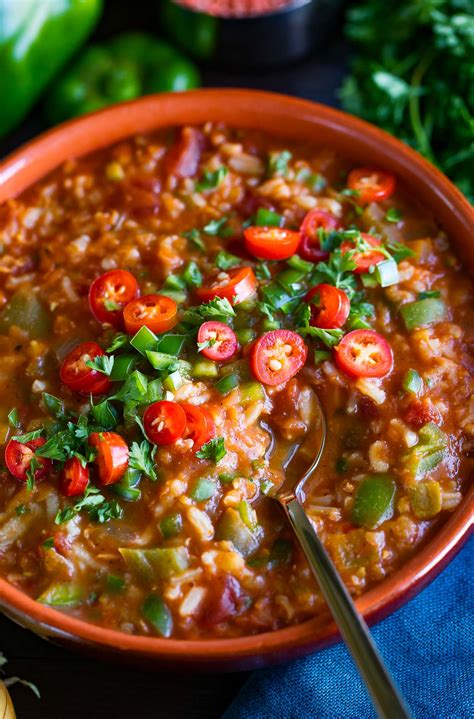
x: 387, y: 699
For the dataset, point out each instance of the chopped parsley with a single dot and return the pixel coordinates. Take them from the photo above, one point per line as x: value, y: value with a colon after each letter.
x: 215, y: 227
x: 211, y: 179
x: 194, y: 238
x: 213, y: 450
x: 394, y: 215
x: 102, y: 363
x: 428, y: 293
x: 118, y: 342
x: 225, y: 260
x: 277, y: 164
x: 142, y: 458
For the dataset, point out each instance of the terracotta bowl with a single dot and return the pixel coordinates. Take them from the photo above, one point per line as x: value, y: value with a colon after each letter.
x: 296, y: 120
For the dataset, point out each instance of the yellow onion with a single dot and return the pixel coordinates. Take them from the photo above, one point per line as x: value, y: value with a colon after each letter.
x: 6, y: 707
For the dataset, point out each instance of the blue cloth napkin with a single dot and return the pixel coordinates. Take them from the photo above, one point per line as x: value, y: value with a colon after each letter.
x: 428, y: 645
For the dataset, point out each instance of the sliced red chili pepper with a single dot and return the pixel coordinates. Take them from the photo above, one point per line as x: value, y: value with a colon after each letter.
x: 235, y: 285
x: 329, y: 306
x: 199, y: 425
x: 271, y: 243
x: 109, y: 294
x: 364, y: 260
x: 77, y: 376
x: 277, y: 356
x: 18, y: 456
x: 310, y: 248
x: 74, y: 478
x: 183, y: 157
x: 164, y: 422
x: 371, y: 184
x: 112, y: 456
x: 157, y: 312
x: 364, y: 353
x: 218, y: 341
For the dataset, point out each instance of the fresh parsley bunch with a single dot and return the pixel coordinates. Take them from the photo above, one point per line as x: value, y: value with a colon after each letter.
x: 413, y: 74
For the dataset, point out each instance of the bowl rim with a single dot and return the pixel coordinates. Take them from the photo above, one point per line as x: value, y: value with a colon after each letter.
x: 295, y: 118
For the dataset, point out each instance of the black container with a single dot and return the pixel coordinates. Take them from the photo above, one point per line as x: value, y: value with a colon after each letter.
x: 254, y: 42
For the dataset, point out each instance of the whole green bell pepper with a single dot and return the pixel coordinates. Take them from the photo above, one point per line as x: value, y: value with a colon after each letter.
x: 128, y: 66
x: 37, y: 37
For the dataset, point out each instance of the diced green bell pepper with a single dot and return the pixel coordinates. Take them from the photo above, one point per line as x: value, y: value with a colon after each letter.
x: 156, y: 563
x: 26, y: 311
x: 423, y: 312
x: 227, y: 383
x: 412, y: 382
x: 37, y: 37
x: 233, y: 529
x: 144, y: 340
x: 155, y: 611
x: 203, y: 490
x: 204, y: 369
x: 430, y: 451
x: 62, y: 595
x: 425, y: 499
x: 251, y: 392
x: 127, y: 487
x: 123, y: 366
x: 171, y: 525
x: 125, y: 67
x: 373, y: 500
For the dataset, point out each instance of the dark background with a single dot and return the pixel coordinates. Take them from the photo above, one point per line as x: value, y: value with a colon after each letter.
x: 74, y: 687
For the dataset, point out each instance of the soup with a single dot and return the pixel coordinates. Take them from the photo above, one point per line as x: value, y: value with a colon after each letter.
x: 171, y: 309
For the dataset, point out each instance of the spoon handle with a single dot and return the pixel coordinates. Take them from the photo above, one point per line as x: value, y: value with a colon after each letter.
x: 385, y: 695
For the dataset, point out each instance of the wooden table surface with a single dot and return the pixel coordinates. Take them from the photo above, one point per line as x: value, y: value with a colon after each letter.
x: 71, y: 686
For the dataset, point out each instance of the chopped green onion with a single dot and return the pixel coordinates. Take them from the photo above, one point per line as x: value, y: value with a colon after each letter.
x: 144, y: 340
x: 203, y: 490
x: 268, y: 218
x: 158, y: 615
x: 412, y: 382
x: 204, y: 369
x: 277, y: 165
x: 423, y: 312
x: 123, y: 366
x: 211, y: 179
x: 386, y: 273
x: 227, y: 384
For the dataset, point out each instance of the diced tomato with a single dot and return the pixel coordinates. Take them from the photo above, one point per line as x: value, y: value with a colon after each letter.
x: 271, y: 243
x: 329, y: 306
x: 109, y: 294
x: 420, y: 412
x: 74, y: 478
x: 164, y: 422
x: 199, y: 425
x: 226, y: 601
x: 371, y: 184
x: 18, y: 456
x: 277, y: 356
x: 183, y: 157
x: 310, y: 248
x: 62, y: 543
x: 157, y: 312
x: 364, y: 353
x: 219, y: 340
x: 235, y: 285
x: 77, y: 376
x: 364, y: 260
x: 112, y: 456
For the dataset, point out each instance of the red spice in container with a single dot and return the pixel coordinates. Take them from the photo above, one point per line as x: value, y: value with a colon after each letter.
x: 235, y: 8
